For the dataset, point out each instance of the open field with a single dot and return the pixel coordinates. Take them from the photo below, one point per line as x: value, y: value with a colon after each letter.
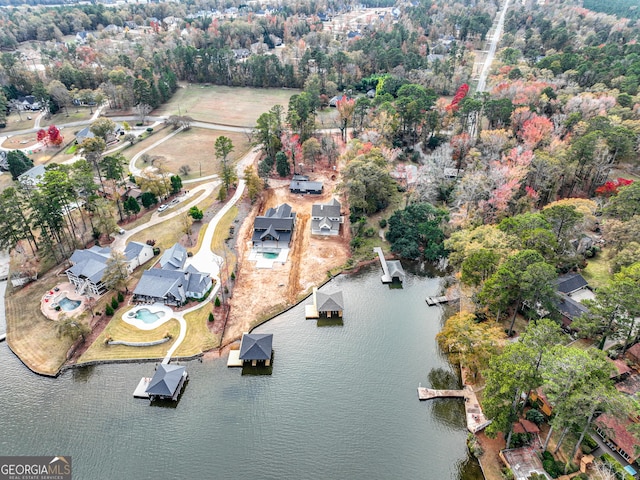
x: 237, y: 106
x: 19, y: 122
x: 194, y: 148
x: 60, y: 118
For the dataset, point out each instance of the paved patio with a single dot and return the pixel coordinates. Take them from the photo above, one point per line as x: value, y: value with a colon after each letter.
x: 51, y: 298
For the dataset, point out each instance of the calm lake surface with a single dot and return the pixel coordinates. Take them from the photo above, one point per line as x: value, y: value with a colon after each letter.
x: 341, y: 404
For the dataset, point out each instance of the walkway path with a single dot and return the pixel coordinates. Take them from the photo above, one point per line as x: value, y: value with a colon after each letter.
x: 205, y: 259
x: 476, y: 420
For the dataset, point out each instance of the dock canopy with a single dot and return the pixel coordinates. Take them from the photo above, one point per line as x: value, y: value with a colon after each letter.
x: 166, y: 381
x: 396, y: 270
x: 256, y: 346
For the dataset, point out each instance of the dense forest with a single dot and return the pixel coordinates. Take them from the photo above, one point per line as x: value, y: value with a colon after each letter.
x: 620, y: 8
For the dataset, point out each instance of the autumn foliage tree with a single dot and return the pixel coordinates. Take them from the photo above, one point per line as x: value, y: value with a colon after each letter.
x: 457, y: 98
x: 50, y: 136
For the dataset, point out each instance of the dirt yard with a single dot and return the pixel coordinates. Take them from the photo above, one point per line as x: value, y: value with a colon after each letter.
x: 259, y: 293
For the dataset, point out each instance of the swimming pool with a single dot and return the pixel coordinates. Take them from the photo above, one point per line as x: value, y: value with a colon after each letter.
x: 271, y: 255
x: 67, y: 305
x: 147, y: 316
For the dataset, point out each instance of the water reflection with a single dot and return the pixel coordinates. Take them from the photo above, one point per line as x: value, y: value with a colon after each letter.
x: 442, y: 379
x: 83, y: 374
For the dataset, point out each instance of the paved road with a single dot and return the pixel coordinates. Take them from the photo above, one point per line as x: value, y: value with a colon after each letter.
x: 497, y: 35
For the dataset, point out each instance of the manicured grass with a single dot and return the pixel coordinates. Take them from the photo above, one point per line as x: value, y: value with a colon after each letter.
x: 598, y: 270
x: 238, y: 106
x: 30, y: 334
x: 61, y: 117
x: 199, y: 338
x: 120, y: 330
x: 194, y: 148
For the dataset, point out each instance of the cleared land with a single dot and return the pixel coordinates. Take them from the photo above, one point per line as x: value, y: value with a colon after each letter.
x: 235, y: 106
x: 260, y: 293
x: 194, y: 148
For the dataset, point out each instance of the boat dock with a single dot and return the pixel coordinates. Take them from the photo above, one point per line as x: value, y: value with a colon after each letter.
x: 141, y: 389
x: 476, y: 420
x: 433, y: 301
x: 234, y: 359
x: 386, y: 278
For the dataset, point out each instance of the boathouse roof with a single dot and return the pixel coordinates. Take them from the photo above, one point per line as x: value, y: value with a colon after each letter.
x: 166, y: 380
x: 256, y: 346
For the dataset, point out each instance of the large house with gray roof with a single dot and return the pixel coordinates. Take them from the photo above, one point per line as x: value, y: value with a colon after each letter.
x: 326, y: 218
x: 172, y: 283
x: 88, y: 266
x: 274, y: 229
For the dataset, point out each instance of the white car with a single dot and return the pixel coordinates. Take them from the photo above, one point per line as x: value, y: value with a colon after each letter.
x: 162, y: 207
x: 173, y: 202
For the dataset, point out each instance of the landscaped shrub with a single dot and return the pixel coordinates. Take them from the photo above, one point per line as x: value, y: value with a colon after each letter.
x: 233, y: 276
x: 217, y: 302
x: 535, y: 416
x: 108, y: 311
x: 369, y: 232
x: 120, y: 297
x: 149, y: 129
x: 551, y: 468
x: 588, y: 445
x: 114, y: 303
x: 211, y: 316
x: 383, y: 222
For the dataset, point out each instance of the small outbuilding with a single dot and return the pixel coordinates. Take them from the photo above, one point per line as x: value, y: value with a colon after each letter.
x: 396, y: 272
x: 302, y: 184
x: 167, y: 382
x: 256, y: 348
x: 330, y: 305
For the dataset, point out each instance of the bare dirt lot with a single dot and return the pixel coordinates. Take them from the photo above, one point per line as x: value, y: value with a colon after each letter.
x: 259, y: 293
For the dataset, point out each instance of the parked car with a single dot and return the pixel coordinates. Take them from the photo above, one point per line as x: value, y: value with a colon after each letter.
x: 173, y: 202
x: 163, y: 207
x: 121, y: 231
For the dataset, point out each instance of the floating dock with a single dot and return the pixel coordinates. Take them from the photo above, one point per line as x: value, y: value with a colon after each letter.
x: 476, y: 420
x: 234, y: 359
x: 141, y: 389
x: 311, y: 312
x: 433, y: 301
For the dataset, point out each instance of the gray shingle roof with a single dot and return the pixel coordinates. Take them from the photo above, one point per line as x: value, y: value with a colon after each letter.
x: 278, y: 220
x: 133, y: 249
x: 331, y: 209
x: 395, y: 269
x: 569, y: 307
x: 570, y: 282
x: 173, y: 258
x: 256, y: 346
x: 329, y: 302
x: 90, y: 263
x: 166, y: 380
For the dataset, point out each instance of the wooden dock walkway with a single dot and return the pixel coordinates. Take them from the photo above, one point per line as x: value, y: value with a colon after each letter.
x: 432, y: 301
x: 386, y: 278
x: 476, y: 420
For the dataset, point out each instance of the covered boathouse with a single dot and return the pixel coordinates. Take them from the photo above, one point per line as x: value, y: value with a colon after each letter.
x: 167, y: 382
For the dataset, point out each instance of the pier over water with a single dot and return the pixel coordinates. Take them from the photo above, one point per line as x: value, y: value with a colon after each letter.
x: 476, y: 420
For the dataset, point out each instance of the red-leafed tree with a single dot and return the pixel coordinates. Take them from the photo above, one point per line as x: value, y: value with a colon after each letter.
x: 457, y: 98
x: 50, y: 136
x: 43, y: 137
x: 291, y: 147
x: 535, y: 130
x: 611, y: 187
x: 55, y: 137
x: 461, y: 145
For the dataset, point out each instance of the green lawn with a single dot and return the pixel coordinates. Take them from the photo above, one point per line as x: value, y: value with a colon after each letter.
x: 598, y: 270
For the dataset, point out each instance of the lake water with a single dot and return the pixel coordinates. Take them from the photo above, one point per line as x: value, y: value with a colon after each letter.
x: 341, y: 404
